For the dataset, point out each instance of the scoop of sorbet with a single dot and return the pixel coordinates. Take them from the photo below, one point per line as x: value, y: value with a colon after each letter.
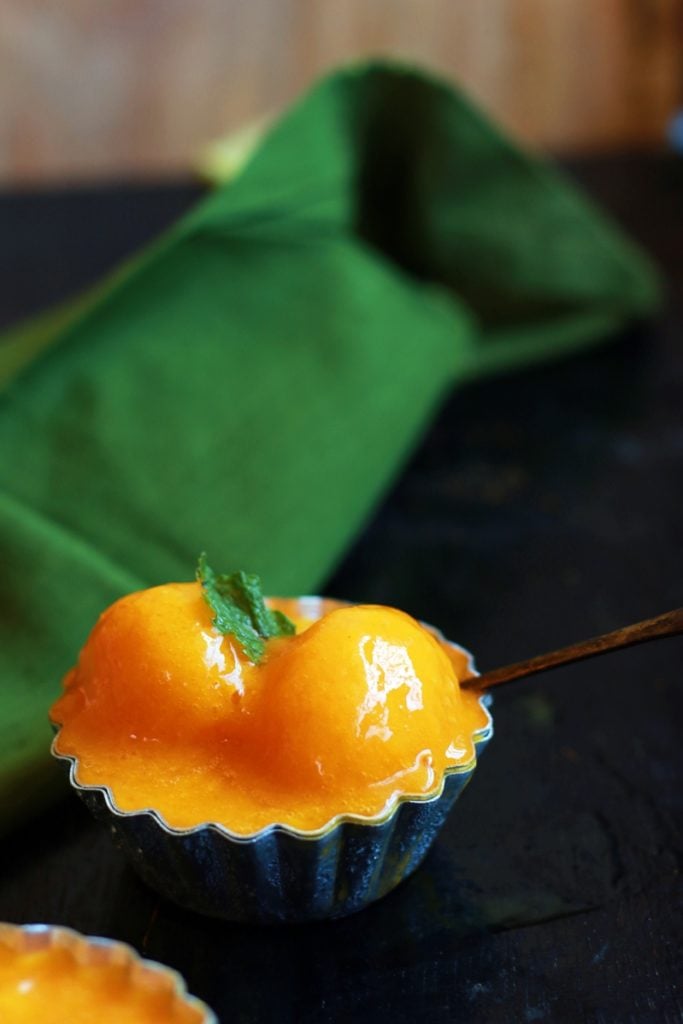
x: 365, y: 694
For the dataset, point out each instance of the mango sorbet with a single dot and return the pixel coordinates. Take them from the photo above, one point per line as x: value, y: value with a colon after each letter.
x: 58, y: 986
x: 357, y: 708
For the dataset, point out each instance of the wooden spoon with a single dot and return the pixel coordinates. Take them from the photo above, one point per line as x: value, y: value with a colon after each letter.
x: 668, y: 624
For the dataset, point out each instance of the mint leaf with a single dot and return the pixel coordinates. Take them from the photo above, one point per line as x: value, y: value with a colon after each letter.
x: 236, y: 599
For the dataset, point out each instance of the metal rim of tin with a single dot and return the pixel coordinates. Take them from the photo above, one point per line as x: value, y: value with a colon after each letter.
x: 310, y: 606
x: 91, y: 949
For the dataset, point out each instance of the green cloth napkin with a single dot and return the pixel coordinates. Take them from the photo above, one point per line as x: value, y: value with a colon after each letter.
x: 252, y: 382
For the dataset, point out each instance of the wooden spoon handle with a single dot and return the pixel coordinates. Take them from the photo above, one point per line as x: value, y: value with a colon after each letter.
x: 668, y: 624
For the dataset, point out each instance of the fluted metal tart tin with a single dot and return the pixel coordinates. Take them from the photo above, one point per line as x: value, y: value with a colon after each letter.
x: 281, y: 873
x: 95, y: 951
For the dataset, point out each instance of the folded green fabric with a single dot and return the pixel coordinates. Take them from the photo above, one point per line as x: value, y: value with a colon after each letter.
x: 252, y: 382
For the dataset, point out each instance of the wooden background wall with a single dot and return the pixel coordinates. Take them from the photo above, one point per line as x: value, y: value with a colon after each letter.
x: 100, y: 88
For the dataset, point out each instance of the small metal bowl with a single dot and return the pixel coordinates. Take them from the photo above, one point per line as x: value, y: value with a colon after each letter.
x: 283, y: 874
x: 95, y: 951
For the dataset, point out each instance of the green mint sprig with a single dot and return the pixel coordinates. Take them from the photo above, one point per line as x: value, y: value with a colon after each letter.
x: 236, y: 600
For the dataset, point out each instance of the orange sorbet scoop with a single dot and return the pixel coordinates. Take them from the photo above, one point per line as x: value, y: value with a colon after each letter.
x: 52, y: 986
x: 356, y: 709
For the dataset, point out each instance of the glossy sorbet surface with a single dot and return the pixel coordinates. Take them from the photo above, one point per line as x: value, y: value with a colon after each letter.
x: 56, y: 986
x: 358, y: 707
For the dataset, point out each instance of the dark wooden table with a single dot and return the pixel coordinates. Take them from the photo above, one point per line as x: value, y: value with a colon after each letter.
x: 540, y: 509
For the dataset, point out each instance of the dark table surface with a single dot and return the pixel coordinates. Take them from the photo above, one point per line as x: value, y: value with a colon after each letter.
x: 541, y: 508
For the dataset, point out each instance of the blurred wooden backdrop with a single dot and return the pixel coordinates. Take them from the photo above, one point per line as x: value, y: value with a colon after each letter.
x: 135, y: 87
